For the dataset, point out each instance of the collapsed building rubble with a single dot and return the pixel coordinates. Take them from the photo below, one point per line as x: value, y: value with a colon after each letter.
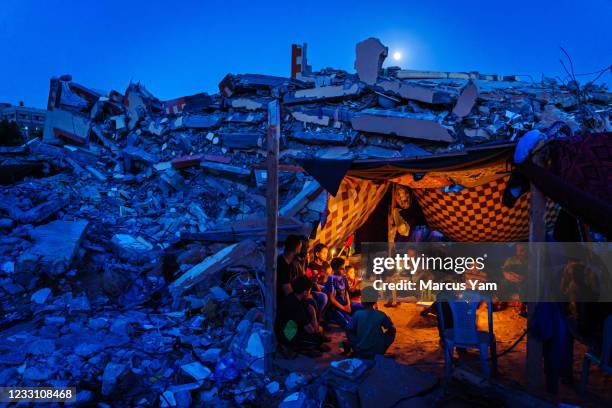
x: 121, y: 230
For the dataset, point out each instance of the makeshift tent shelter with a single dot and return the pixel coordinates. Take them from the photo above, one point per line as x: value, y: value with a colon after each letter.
x: 474, y: 213
x: 576, y: 177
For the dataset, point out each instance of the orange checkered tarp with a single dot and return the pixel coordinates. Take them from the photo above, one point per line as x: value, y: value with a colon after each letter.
x: 476, y: 213
x: 473, y: 214
x: 348, y: 210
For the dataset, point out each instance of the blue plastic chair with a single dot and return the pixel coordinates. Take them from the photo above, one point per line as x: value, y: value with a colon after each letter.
x: 463, y: 333
x: 603, y: 358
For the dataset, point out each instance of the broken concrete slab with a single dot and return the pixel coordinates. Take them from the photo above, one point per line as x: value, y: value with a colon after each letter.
x: 136, y: 153
x: 249, y: 103
x: 187, y: 161
x: 40, y: 296
x: 225, y: 170
x: 36, y: 214
x: 322, y: 137
x: 416, y: 92
x: 63, y: 126
x: 417, y: 74
x: 133, y: 249
x: 241, y: 117
x: 197, y: 121
x: 233, y: 84
x: 55, y: 246
x: 315, y: 120
x: 173, y: 179
x: 135, y: 104
x: 210, y: 268
x: 241, y: 140
x: 191, y: 103
x: 195, y: 159
x: 309, y: 192
x: 400, y: 124
x: 370, y: 55
x: 113, y: 372
x: 96, y: 173
x: 196, y: 370
x: 323, y: 93
x: 466, y: 100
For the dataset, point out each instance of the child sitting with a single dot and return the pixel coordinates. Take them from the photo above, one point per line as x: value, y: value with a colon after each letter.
x: 340, y: 306
x: 353, y: 281
x: 371, y: 331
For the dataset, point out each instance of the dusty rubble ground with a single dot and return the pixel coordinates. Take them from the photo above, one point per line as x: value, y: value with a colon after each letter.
x: 131, y: 233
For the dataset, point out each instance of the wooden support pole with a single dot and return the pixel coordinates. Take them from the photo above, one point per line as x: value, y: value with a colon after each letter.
x: 537, y: 233
x: 272, y: 223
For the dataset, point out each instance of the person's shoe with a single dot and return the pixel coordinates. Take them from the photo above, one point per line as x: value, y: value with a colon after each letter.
x: 324, y: 348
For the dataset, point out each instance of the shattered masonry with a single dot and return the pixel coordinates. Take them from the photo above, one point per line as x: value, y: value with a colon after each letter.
x: 122, y: 223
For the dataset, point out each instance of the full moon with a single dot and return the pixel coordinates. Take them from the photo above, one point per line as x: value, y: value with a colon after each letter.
x: 397, y: 55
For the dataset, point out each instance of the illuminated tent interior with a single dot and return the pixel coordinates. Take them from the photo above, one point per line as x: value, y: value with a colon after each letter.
x: 476, y: 211
x: 472, y: 195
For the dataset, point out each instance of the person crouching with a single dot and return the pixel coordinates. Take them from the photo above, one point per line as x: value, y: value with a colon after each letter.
x: 371, y: 331
x: 295, y: 326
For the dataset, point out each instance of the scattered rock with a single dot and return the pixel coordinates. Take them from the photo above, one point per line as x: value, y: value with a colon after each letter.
x: 40, y: 296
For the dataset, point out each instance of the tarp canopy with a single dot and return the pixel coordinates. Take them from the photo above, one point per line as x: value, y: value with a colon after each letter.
x: 474, y: 213
x: 329, y: 173
x: 461, y: 194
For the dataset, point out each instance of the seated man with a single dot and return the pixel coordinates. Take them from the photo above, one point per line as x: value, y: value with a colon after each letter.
x: 295, y: 327
x: 371, y: 332
x: 340, y: 306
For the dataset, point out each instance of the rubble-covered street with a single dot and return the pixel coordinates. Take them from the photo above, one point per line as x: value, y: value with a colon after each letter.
x: 132, y: 233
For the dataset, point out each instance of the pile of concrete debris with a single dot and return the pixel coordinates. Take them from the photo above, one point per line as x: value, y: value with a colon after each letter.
x: 130, y: 235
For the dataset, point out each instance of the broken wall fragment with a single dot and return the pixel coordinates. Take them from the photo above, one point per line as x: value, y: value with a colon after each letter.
x: 401, y: 124
x: 370, y: 55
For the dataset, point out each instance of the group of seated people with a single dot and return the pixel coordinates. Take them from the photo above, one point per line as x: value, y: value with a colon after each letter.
x: 312, y: 296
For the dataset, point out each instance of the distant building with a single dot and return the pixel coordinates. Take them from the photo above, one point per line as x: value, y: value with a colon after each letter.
x: 29, y: 120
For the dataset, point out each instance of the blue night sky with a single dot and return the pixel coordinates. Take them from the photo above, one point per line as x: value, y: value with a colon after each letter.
x: 184, y: 47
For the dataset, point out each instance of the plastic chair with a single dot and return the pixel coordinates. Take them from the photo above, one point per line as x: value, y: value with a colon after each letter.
x: 604, y: 361
x: 463, y: 306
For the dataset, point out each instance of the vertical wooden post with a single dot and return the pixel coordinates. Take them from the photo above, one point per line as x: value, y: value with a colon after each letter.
x: 272, y: 221
x: 537, y: 233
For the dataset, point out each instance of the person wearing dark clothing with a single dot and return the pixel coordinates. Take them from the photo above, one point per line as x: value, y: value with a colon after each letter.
x: 294, y: 326
x: 514, y: 271
x: 300, y: 259
x: 318, y: 268
x: 317, y: 272
x: 371, y: 331
x: 285, y: 274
